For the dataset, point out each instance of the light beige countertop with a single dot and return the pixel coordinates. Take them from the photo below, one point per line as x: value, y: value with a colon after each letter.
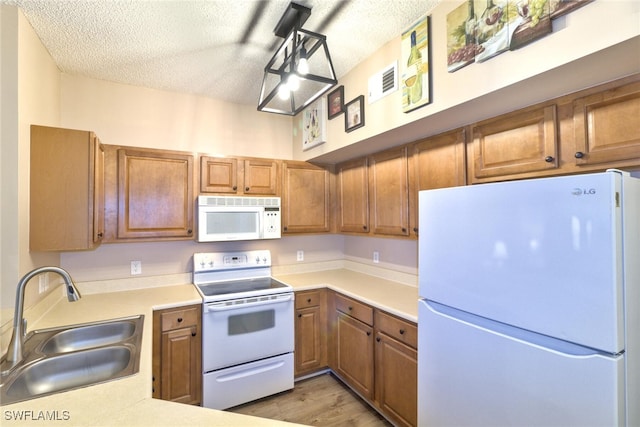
x: 393, y: 297
x: 126, y: 401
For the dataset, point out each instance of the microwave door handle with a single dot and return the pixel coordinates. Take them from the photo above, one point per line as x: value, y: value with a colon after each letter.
x: 219, y: 307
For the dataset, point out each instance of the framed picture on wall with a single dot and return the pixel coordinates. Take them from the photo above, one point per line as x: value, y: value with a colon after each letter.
x: 354, y: 114
x: 415, y: 65
x: 314, y: 124
x: 336, y: 102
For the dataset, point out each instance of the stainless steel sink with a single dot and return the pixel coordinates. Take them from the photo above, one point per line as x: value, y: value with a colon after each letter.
x: 70, y: 370
x: 90, y: 336
x: 70, y: 357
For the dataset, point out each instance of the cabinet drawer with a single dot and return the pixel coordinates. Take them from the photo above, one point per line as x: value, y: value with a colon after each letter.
x: 308, y: 299
x: 356, y: 309
x: 401, y: 330
x: 180, y: 318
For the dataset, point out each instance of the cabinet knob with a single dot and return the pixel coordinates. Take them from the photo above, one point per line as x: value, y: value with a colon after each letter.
x: 368, y: 333
x: 579, y: 155
x: 401, y: 331
x: 284, y: 228
x: 179, y: 319
x: 549, y: 159
x: 235, y: 187
x: 378, y: 339
x: 404, y: 230
x: 246, y: 189
x: 308, y: 300
x: 350, y: 308
x: 100, y: 234
x: 415, y: 230
x: 193, y: 334
x: 189, y: 231
x: 299, y: 315
x: 364, y: 227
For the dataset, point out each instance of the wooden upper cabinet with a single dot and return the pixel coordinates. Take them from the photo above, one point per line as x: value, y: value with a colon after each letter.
x: 389, y: 190
x: 218, y: 175
x: 66, y: 190
x: 607, y: 126
x: 155, y: 194
x: 305, y: 198
x: 436, y: 162
x: 353, y: 196
x: 522, y: 142
x: 233, y: 176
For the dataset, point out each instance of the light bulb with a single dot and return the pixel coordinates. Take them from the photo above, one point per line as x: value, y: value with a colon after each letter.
x: 283, y: 92
x: 303, y: 66
x: 293, y: 82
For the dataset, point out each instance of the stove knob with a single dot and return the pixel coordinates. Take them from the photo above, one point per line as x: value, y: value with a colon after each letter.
x: 257, y: 260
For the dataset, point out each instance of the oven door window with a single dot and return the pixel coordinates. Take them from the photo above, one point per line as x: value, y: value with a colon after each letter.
x: 247, y: 323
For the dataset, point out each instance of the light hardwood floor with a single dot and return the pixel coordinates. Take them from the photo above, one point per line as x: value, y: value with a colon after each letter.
x: 319, y: 401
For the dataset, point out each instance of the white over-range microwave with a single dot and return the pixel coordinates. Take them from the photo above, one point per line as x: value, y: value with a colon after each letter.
x: 225, y: 218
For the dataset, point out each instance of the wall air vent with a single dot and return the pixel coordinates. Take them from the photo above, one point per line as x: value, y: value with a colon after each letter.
x: 383, y: 83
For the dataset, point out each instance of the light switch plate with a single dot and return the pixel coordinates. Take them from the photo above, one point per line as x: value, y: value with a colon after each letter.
x: 136, y: 268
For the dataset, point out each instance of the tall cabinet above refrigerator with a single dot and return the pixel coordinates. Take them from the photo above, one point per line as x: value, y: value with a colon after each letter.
x: 529, y: 311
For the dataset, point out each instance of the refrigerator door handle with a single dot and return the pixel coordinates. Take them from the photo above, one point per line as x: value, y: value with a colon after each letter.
x: 550, y: 343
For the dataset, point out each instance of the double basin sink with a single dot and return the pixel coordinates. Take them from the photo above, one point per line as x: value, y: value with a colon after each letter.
x: 70, y: 357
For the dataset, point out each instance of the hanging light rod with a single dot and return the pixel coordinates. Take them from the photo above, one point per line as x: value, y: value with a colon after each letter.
x: 298, y: 73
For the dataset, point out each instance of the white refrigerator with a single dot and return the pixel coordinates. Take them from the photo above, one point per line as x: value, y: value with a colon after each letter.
x: 529, y: 310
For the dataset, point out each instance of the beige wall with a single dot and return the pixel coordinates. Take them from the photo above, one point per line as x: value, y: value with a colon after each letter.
x: 135, y: 116
x: 30, y: 94
x: 583, y: 50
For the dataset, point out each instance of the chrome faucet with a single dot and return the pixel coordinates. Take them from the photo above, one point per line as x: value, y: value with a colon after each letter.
x: 15, y: 350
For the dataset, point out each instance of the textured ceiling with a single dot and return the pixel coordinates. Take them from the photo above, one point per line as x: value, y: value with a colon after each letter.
x: 215, y: 48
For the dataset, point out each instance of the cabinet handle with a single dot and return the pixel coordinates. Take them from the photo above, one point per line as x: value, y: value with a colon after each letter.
x: 179, y: 319
x: 579, y: 155
x: 401, y: 331
x: 549, y: 159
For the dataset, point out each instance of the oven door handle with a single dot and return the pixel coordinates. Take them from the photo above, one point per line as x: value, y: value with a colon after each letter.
x: 216, y: 306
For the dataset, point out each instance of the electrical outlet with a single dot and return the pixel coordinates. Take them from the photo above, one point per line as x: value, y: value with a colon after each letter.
x: 136, y: 268
x: 300, y: 256
x: 376, y: 257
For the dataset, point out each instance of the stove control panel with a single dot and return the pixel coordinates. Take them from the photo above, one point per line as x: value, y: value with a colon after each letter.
x: 217, y: 261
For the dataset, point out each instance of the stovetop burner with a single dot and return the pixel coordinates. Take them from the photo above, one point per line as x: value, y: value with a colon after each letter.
x: 221, y: 276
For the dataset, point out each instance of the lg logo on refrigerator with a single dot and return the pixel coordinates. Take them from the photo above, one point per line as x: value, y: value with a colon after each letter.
x: 583, y: 191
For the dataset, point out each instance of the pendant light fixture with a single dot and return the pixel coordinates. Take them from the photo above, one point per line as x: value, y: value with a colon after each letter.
x: 300, y: 71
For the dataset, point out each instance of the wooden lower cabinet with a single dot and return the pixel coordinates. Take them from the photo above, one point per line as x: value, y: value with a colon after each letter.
x: 375, y: 353
x: 396, y: 373
x: 177, y: 354
x: 310, y: 332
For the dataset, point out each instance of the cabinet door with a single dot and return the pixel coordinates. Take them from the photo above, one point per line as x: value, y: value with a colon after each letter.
x: 305, y: 198
x: 261, y: 177
x: 218, y: 175
x: 179, y: 356
x: 436, y: 162
x: 397, y: 380
x: 389, y: 189
x: 353, y: 196
x: 308, y: 328
x: 354, y: 354
x: 155, y: 194
x: 66, y: 190
x: 607, y: 126
x: 517, y: 143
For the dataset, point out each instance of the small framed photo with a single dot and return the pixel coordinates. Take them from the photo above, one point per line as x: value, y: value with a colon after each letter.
x: 354, y: 114
x: 314, y: 124
x: 336, y: 103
